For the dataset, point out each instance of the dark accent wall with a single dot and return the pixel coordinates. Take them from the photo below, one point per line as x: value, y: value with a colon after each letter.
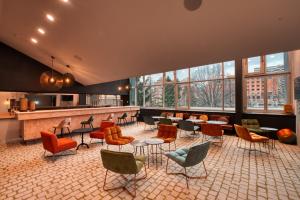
x: 20, y: 73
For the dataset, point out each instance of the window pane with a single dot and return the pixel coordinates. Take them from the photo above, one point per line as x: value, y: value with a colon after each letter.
x: 255, y: 93
x: 169, y: 76
x: 156, y: 96
x: 169, y: 95
x: 275, y: 63
x: 148, y: 96
x: 254, y: 64
x: 132, y: 96
x: 139, y: 91
x: 132, y: 82
x: 156, y: 79
x: 277, y: 92
x: 206, y: 72
x: 182, y: 90
x: 207, y: 95
x: 147, y: 80
x: 229, y: 69
x: 182, y: 75
x: 229, y: 94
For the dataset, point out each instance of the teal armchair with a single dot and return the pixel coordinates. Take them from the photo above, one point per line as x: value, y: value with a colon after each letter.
x: 189, y: 157
x: 123, y: 163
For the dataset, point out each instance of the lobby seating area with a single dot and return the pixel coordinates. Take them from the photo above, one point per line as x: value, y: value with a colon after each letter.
x: 232, y: 172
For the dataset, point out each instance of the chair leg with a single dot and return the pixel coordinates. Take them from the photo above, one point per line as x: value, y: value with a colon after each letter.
x: 186, y: 178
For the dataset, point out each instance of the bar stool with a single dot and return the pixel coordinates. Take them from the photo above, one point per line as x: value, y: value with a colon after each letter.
x: 64, y: 124
x: 122, y: 118
x: 88, y: 122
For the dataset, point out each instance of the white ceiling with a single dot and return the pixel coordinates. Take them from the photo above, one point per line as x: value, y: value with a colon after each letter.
x: 106, y: 40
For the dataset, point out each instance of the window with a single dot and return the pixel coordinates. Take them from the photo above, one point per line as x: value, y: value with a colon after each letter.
x: 207, y: 87
x: 271, y: 74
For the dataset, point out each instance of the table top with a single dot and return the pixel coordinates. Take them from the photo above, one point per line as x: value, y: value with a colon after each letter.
x: 175, y: 118
x: 82, y: 130
x: 216, y: 122
x: 269, y: 129
x: 154, y: 141
x: 195, y: 120
x: 138, y: 143
x: 158, y: 117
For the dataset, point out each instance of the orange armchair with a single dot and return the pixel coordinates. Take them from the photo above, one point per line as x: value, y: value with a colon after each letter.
x: 168, y: 133
x: 213, y: 130
x: 243, y: 133
x: 113, y: 136
x: 99, y: 134
x: 54, y: 145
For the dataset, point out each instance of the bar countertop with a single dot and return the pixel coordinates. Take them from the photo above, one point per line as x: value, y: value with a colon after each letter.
x: 41, y: 114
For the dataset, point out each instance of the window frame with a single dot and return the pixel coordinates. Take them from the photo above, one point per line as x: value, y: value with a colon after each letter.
x: 264, y: 75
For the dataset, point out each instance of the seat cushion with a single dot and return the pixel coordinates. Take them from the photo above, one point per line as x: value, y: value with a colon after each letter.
x: 139, y: 165
x: 97, y: 134
x: 258, y: 138
x: 179, y: 156
x: 168, y: 140
x: 65, y: 144
x: 140, y: 158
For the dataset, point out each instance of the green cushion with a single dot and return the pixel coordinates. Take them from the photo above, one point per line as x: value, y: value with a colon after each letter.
x: 140, y: 158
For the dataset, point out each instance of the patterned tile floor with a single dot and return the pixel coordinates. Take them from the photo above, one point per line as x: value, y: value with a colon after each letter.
x: 233, y: 173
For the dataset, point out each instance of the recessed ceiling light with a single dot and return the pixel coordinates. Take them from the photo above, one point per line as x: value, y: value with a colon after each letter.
x: 33, y: 40
x: 50, y: 17
x: 66, y: 1
x: 41, y: 31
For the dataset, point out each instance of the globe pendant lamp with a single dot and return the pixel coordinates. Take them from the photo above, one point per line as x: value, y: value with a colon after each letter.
x: 68, y: 79
x: 50, y: 80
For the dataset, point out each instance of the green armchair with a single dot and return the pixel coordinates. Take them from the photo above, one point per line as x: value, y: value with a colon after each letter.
x: 253, y: 126
x: 188, y: 157
x: 123, y: 163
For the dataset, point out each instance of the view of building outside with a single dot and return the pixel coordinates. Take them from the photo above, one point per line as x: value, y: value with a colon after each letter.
x: 267, y: 83
x: 208, y: 87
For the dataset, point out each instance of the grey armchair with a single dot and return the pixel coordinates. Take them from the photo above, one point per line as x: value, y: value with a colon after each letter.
x: 188, y: 157
x: 148, y: 120
x: 123, y: 163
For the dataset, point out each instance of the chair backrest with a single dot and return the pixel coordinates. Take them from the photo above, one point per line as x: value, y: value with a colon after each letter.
x: 165, y: 121
x: 112, y: 133
x: 203, y: 117
x: 180, y: 115
x: 242, y: 132
x: 149, y: 120
x: 68, y: 121
x: 109, y: 117
x: 136, y: 114
x: 250, y: 123
x: 61, y: 124
x: 167, y: 131
x: 49, y: 141
x: 106, y: 124
x: 196, y: 154
x: 223, y: 118
x: 124, y: 116
x: 119, y: 162
x: 186, y: 125
x: 212, y: 129
x: 91, y: 119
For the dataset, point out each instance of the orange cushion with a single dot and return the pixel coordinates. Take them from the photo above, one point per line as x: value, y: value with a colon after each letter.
x: 65, y: 144
x: 97, y: 134
x: 258, y: 138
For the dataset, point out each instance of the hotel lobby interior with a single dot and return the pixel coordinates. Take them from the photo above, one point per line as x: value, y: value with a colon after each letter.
x: 172, y: 99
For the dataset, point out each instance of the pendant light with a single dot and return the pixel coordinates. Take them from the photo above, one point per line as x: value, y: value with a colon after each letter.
x: 50, y: 80
x: 68, y: 78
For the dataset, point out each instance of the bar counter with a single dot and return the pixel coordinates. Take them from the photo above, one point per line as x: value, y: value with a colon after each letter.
x: 43, y: 120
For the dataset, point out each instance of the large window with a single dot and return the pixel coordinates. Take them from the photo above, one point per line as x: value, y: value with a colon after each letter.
x: 267, y: 81
x: 207, y: 87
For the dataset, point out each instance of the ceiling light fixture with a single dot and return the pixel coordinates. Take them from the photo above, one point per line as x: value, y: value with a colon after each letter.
x: 33, y: 40
x: 51, y: 80
x: 50, y: 17
x: 66, y: 1
x: 68, y: 78
x: 119, y: 88
x: 41, y: 31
